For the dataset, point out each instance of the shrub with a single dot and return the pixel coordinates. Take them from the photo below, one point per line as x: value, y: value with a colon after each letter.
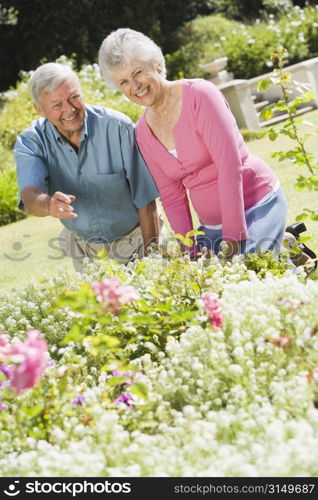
x: 248, y: 47
x: 16, y: 114
x: 299, y: 33
x: 229, y: 400
x: 199, y: 42
x: 251, y: 9
x: 9, y: 211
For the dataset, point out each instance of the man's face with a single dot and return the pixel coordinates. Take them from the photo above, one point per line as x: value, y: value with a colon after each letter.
x: 64, y: 108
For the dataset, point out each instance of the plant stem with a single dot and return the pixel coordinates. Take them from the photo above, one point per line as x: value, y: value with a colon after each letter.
x: 299, y: 141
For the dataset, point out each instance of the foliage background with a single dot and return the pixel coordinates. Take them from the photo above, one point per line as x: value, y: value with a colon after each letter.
x: 32, y: 31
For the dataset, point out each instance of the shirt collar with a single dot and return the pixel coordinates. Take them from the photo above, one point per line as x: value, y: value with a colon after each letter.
x: 59, y: 138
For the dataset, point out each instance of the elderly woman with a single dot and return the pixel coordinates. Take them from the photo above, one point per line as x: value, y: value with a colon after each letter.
x: 193, y: 149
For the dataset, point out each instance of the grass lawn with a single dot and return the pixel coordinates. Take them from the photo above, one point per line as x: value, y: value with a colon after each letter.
x: 29, y: 248
x: 288, y: 173
x: 29, y: 251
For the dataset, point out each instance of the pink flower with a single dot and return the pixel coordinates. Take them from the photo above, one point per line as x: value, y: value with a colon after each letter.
x: 78, y: 400
x: 113, y: 295
x: 212, y: 307
x: 4, y: 343
x: 28, y: 360
x: 126, y: 399
x: 5, y: 369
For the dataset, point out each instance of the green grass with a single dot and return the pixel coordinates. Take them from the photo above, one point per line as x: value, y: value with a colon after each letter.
x: 29, y: 251
x: 287, y: 173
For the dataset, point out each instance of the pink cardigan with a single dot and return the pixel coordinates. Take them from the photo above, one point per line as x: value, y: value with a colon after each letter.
x: 213, y: 166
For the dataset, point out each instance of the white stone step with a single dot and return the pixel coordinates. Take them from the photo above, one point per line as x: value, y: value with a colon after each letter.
x: 260, y: 105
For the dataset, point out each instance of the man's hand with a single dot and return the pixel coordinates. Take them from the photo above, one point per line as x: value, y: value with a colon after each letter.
x: 38, y: 203
x: 60, y: 206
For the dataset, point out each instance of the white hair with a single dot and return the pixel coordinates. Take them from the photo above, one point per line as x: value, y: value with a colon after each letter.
x: 49, y: 77
x: 123, y: 46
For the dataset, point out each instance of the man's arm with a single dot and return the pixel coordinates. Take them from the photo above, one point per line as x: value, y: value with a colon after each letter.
x: 149, y: 223
x: 38, y: 203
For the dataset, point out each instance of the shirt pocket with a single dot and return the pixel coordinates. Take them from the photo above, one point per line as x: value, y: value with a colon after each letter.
x: 113, y: 189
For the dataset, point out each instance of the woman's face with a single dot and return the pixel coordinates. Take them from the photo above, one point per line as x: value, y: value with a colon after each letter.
x: 140, y: 82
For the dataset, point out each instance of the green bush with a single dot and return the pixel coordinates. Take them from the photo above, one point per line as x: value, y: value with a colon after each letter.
x: 199, y: 42
x: 214, y: 374
x: 9, y: 211
x: 299, y: 33
x: 247, y: 47
x: 16, y: 114
x: 251, y: 9
x: 250, y: 47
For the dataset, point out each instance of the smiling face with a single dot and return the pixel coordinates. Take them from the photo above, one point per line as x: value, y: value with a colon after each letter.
x: 140, y: 82
x: 64, y: 108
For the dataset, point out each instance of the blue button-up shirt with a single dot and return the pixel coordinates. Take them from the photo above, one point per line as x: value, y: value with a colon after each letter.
x: 108, y: 175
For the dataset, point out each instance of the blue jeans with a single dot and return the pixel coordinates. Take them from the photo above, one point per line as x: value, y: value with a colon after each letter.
x: 265, y: 222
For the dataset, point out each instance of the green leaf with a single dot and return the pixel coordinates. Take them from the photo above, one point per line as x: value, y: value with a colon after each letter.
x: 103, y: 341
x: 194, y: 232
x: 34, y: 411
x: 266, y: 114
x: 286, y: 77
x: 62, y: 384
x: 116, y: 381
x: 272, y: 134
x: 139, y: 389
x: 295, y: 250
x: 264, y: 84
x: 184, y: 240
x: 140, y: 267
x: 304, y: 239
x: 314, y: 180
x: 75, y: 334
x: 301, y: 217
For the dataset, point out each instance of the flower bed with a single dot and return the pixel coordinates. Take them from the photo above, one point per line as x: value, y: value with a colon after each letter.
x: 165, y: 367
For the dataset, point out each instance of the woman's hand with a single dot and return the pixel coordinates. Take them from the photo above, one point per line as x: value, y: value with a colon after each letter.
x: 233, y: 248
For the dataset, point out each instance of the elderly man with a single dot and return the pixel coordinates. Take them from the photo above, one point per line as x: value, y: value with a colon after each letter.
x: 79, y: 163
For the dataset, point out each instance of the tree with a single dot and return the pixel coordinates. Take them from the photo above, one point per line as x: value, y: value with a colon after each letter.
x: 51, y: 28
x: 247, y: 10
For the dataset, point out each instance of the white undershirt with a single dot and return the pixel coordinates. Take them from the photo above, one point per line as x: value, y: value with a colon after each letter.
x: 173, y: 152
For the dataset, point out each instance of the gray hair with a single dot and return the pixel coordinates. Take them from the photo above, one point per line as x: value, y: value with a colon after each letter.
x: 49, y: 77
x: 123, y: 46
